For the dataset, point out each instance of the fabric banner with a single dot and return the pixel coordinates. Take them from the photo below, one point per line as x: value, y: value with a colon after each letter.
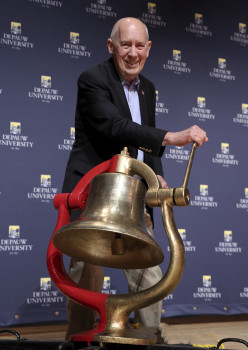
x: 198, y: 63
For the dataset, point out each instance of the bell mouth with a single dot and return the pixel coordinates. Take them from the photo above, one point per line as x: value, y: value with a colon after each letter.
x: 111, y: 231
x: 105, y: 246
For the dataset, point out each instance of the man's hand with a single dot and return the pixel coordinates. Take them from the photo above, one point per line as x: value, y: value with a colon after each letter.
x: 162, y: 181
x: 182, y: 138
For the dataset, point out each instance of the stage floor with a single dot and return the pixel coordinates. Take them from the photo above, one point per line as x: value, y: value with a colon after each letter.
x: 189, y: 330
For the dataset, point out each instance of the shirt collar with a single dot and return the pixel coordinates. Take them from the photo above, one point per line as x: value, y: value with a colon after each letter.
x: 135, y: 82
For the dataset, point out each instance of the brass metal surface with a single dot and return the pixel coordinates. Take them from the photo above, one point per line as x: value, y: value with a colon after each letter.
x: 129, y: 335
x: 188, y: 169
x: 111, y: 231
x: 118, y: 307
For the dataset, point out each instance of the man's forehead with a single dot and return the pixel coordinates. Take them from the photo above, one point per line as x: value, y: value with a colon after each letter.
x: 136, y: 40
x: 132, y: 34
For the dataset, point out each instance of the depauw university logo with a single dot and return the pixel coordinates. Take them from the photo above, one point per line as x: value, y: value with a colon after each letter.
x: 14, y: 231
x: 74, y: 38
x: 222, y: 63
x: 204, y: 190
x: 182, y: 233
x: 15, y: 39
x: 240, y: 36
x: 67, y: 144
x: 15, y: 128
x: 198, y: 28
x: 72, y: 133
x: 244, y: 108
x: 177, y: 55
x: 160, y: 108
x: 176, y: 64
x: 45, y: 283
x: 16, y: 28
x: 45, y: 180
x: 206, y: 281
x: 151, y: 8
x: 100, y: 9
x: 242, y: 118
x: 14, y: 139
x: 151, y: 17
x: 227, y: 236
x: 106, y: 288
x: 156, y: 95
x: 198, y: 18
x: 106, y: 282
x: 242, y: 28
x: 221, y: 72
x: 228, y: 247
x: 225, y: 158
x: 246, y: 193
x: 45, y: 92
x: 201, y: 102
x: 46, y: 81
x: 225, y: 148
x: 201, y: 112
x: 188, y: 247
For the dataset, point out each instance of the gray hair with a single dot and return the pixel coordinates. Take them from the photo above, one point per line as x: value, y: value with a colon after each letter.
x: 115, y: 30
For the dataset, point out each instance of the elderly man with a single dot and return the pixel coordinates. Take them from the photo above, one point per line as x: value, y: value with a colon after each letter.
x: 116, y: 108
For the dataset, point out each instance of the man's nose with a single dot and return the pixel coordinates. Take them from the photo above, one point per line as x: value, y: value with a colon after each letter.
x: 132, y: 51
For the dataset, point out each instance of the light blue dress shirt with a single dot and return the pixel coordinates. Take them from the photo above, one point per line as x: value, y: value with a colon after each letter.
x: 131, y: 92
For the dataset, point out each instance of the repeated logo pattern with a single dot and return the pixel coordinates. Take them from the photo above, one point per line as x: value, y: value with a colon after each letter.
x: 198, y: 64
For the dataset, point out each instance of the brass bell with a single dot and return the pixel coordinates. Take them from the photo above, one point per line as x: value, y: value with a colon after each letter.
x: 111, y: 230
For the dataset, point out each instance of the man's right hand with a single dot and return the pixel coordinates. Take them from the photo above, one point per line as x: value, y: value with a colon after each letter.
x: 182, y: 138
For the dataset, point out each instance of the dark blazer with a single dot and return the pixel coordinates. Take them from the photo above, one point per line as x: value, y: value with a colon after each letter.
x: 103, y: 124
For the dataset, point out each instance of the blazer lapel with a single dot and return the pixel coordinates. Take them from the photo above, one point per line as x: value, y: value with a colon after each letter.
x: 143, y: 101
x: 115, y: 82
x: 118, y: 89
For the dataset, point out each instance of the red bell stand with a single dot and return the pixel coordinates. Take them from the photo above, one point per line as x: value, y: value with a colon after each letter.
x: 64, y: 203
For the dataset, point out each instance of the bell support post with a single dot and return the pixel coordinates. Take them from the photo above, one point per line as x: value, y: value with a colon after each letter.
x: 118, y: 307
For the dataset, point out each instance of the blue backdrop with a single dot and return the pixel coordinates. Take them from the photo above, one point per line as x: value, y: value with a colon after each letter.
x: 198, y: 64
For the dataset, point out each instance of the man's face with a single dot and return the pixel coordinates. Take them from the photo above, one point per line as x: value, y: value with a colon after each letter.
x: 130, y: 49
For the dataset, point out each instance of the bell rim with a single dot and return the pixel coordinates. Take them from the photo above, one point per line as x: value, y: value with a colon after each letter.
x: 62, y: 240
x: 95, y: 225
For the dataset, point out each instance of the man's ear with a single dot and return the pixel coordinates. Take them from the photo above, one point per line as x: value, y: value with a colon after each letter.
x: 110, y: 46
x: 149, y: 47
